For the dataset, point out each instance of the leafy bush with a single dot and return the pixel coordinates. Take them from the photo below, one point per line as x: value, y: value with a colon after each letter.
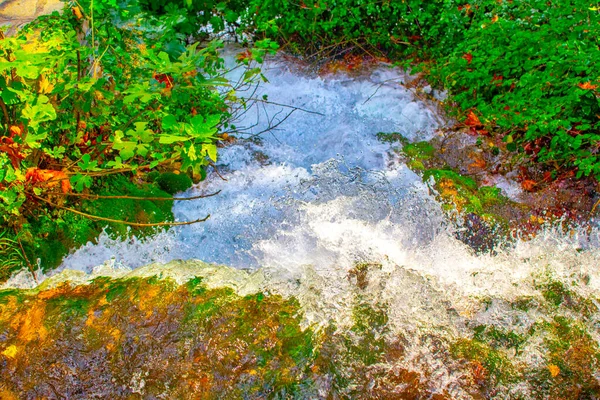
x: 218, y: 15
x: 531, y: 71
x: 89, y: 94
x: 527, y: 71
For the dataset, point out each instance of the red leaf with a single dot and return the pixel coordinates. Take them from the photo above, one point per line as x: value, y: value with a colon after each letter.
x: 472, y: 120
x: 468, y: 57
x: 528, y: 185
x: 164, y: 78
x: 13, y: 153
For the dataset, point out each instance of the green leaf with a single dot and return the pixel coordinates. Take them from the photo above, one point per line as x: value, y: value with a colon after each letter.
x: 211, y: 150
x: 168, y: 122
x: 126, y: 149
x: 168, y: 139
x: 42, y: 111
x: 80, y: 182
x: 87, y: 164
x: 11, y: 176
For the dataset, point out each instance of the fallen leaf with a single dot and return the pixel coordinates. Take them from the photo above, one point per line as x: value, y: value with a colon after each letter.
x: 554, y: 370
x: 15, y: 131
x: 468, y: 57
x: 528, y: 185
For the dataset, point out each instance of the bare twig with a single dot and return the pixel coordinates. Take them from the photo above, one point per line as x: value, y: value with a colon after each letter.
x: 31, y: 269
x: 135, y: 224
x: 217, y: 171
x: 97, y: 196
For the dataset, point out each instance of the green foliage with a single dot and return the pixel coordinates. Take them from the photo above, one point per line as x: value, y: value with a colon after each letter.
x: 127, y: 96
x: 462, y: 192
x: 218, y: 15
x: 529, y: 70
x: 11, y: 255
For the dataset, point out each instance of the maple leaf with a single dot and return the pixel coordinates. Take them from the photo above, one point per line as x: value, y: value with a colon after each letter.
x: 164, y: 78
x: 468, y: 57
x: 472, y: 120
x: 554, y: 370
x: 587, y: 86
x: 12, y: 151
x: 243, y: 56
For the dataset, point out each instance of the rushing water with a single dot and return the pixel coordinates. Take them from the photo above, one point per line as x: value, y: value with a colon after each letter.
x: 305, y: 203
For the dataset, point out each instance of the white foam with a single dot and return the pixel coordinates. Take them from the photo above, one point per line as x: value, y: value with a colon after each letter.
x: 322, y: 196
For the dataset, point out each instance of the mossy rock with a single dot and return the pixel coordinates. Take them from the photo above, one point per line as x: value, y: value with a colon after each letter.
x: 172, y: 183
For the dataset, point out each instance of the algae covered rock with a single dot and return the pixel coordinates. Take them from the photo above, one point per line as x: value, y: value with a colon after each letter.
x: 151, y: 338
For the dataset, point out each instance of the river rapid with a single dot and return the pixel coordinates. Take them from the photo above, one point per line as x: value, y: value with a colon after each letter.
x: 321, y: 210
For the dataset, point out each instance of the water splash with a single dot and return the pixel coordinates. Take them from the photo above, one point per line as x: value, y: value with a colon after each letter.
x: 307, y: 203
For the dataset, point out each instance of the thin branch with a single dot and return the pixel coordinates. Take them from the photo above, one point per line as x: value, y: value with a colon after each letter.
x: 5, y: 112
x: 96, y: 196
x: 217, y: 171
x: 135, y: 224
x: 287, y: 106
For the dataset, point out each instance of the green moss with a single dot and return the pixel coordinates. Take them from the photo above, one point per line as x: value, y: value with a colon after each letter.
x: 418, y: 150
x: 495, y: 361
x: 574, y: 354
x: 448, y: 174
x: 558, y: 295
x: 392, y: 137
x: 367, y: 342
x: 51, y: 235
x: 555, y: 293
x: 66, y: 308
x: 173, y: 183
x: 497, y: 337
x: 131, y: 210
x: 524, y: 303
x: 226, y: 345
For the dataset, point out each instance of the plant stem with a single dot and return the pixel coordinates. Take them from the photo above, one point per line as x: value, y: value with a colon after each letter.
x: 135, y: 224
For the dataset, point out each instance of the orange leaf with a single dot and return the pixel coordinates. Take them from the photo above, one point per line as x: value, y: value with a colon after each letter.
x: 554, y: 370
x: 49, y: 178
x: 528, y: 185
x: 478, y: 163
x: 77, y: 12
x: 587, y: 86
x: 472, y: 119
x: 246, y: 55
x: 15, y: 131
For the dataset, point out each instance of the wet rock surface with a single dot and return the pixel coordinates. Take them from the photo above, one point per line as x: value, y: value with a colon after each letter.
x: 16, y: 13
x: 150, y: 338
